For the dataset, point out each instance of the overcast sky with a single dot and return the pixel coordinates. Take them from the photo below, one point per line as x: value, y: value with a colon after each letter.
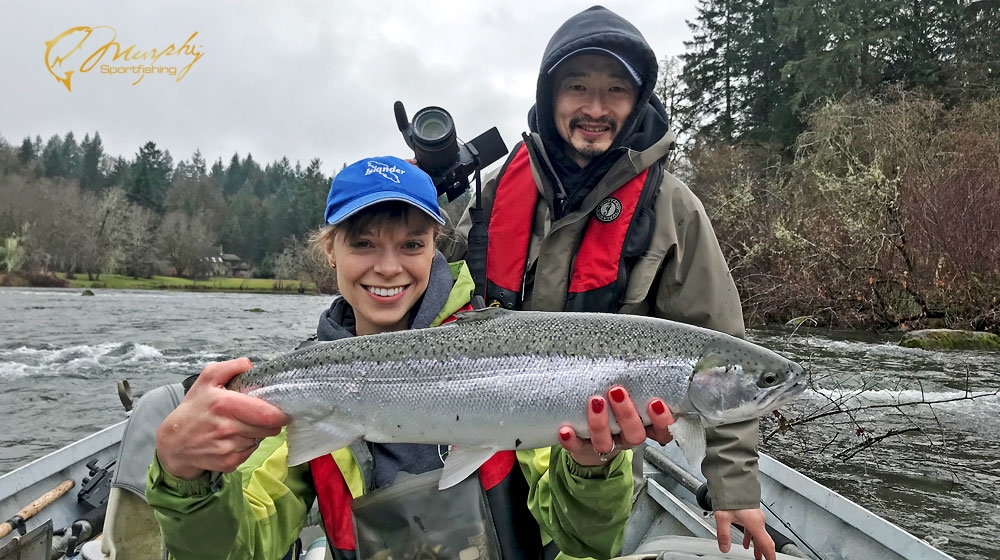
x: 299, y: 79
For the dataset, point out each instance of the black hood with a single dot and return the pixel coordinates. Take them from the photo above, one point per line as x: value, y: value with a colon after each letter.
x: 598, y: 27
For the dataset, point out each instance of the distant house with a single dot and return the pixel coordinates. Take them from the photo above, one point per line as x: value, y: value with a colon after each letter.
x: 234, y: 265
x: 217, y: 263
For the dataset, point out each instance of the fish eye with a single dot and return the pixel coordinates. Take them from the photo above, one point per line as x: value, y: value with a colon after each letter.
x: 768, y: 379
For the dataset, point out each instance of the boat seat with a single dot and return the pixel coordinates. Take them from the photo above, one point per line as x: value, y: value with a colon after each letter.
x: 130, y: 528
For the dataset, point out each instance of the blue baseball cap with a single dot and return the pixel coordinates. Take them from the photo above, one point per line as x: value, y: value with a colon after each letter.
x: 380, y: 179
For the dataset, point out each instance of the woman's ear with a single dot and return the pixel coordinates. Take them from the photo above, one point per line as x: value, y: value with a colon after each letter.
x: 328, y: 249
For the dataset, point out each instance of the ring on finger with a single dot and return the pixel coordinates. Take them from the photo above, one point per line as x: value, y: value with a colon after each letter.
x: 605, y: 456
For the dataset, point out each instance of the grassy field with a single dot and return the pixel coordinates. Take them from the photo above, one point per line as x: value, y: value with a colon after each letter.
x: 249, y: 285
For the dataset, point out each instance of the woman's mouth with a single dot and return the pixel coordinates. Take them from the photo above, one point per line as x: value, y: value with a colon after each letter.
x: 385, y: 292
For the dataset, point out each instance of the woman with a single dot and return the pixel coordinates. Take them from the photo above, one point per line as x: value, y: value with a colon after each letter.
x: 220, y: 482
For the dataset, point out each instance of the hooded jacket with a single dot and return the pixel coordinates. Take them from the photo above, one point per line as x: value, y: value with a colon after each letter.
x: 679, y: 272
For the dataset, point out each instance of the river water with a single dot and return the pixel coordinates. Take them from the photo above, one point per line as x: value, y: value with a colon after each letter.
x: 61, y: 355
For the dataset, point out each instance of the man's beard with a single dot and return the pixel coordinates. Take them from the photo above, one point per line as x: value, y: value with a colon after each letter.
x: 590, y: 149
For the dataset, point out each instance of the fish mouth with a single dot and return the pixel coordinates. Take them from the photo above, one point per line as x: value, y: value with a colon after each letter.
x: 760, y: 404
x: 773, y: 399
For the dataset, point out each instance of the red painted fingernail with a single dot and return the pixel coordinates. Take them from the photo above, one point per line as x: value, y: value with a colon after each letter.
x: 597, y: 405
x: 618, y: 395
x: 658, y: 407
x: 565, y: 436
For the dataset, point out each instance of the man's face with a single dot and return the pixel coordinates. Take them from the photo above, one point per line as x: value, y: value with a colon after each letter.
x: 593, y: 95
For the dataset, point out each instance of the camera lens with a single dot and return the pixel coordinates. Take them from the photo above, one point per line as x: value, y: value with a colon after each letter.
x: 433, y: 125
x: 434, y: 141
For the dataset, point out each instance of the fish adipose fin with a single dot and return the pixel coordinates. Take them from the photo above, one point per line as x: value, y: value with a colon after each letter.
x: 308, y: 440
x: 462, y: 462
x: 690, y: 437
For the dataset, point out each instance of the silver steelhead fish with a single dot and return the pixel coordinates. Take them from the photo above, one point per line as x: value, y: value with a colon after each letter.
x: 502, y: 380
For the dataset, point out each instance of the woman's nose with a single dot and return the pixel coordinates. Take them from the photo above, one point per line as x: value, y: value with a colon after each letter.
x: 388, y: 264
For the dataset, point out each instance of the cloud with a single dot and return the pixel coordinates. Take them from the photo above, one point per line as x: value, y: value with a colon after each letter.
x: 299, y: 79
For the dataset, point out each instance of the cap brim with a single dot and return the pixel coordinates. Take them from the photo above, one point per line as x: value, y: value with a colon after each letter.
x: 598, y: 50
x: 359, y: 204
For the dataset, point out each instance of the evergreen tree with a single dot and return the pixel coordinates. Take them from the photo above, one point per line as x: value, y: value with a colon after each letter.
x: 72, y: 155
x: 234, y: 177
x: 732, y: 67
x: 150, y: 178
x: 91, y: 176
x: 218, y: 175
x: 53, y: 164
x: 26, y: 153
x: 198, y: 165
x: 974, y: 69
x: 241, y: 231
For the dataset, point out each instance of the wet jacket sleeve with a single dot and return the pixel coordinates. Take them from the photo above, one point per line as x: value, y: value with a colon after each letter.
x: 730, y: 465
x: 256, y: 512
x: 583, y: 509
x: 696, y: 287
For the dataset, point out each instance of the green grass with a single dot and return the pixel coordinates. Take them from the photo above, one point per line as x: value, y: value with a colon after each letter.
x: 248, y: 285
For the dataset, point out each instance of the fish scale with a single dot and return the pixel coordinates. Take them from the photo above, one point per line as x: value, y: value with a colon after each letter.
x: 495, y: 380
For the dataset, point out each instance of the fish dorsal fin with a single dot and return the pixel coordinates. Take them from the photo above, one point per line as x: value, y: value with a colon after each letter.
x: 479, y: 315
x: 462, y: 462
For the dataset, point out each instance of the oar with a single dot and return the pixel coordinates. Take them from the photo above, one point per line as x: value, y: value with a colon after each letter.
x: 36, y: 506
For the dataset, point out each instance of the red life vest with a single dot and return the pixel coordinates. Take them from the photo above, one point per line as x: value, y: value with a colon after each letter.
x: 335, y: 498
x: 599, y: 263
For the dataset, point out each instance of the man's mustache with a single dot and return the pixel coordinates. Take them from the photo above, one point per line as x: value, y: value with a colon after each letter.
x: 610, y: 122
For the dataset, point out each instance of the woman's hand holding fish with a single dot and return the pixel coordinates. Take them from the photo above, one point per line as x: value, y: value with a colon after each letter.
x: 213, y: 428
x: 603, y: 446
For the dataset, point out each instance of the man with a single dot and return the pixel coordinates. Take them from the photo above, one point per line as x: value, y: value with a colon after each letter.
x: 583, y: 217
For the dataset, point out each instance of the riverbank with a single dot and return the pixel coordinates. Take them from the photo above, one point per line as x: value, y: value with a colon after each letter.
x: 119, y: 282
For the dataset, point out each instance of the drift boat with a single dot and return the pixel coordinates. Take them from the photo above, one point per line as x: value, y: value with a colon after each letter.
x: 56, y: 508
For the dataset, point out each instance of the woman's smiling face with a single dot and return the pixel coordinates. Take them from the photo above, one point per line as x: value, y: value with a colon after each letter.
x: 384, y: 269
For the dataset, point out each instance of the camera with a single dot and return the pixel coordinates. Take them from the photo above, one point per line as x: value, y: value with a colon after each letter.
x: 441, y: 155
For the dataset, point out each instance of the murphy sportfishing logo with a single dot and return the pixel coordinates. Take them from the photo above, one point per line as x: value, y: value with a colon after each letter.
x: 82, y: 49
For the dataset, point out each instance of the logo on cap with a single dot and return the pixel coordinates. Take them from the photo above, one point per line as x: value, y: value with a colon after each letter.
x: 608, y: 210
x: 390, y: 172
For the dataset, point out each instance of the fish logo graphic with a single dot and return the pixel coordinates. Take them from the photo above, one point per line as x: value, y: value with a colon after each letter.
x: 54, y: 62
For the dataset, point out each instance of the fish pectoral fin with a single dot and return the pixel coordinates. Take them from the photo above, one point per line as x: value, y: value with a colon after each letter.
x: 690, y: 437
x: 308, y: 440
x: 461, y: 462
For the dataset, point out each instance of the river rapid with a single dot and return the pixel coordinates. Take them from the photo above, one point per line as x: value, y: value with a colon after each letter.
x: 61, y: 355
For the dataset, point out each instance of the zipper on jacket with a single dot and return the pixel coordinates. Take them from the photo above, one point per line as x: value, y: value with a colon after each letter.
x: 559, y: 192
